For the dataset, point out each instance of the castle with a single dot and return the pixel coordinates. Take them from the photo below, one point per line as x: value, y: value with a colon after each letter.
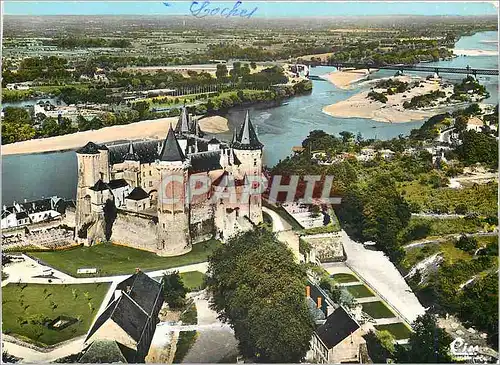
x: 132, y: 176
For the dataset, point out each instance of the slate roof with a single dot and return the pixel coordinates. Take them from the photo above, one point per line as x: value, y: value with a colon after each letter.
x: 38, y: 206
x: 171, y: 150
x: 247, y: 138
x: 146, y: 151
x: 125, y: 313
x: 22, y: 215
x: 316, y: 313
x: 206, y: 161
x: 137, y: 194
x: 143, y: 290
x: 131, y: 155
x: 338, y: 326
x: 99, y: 186
x: 118, y: 183
x: 91, y: 149
x: 103, y: 351
x: 315, y: 293
x: 42, y: 205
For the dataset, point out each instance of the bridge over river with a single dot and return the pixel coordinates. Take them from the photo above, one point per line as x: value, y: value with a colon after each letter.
x: 417, y: 68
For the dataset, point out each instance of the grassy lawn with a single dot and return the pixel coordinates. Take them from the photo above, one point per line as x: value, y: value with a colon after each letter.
x: 27, y: 307
x: 113, y: 260
x: 398, y: 330
x: 377, y: 310
x: 193, y: 279
x: 344, y: 278
x: 359, y: 291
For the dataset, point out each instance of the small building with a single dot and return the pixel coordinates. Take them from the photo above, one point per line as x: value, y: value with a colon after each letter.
x: 137, y: 200
x: 128, y: 323
x: 474, y: 124
x: 338, y: 340
x: 338, y: 337
x: 30, y: 212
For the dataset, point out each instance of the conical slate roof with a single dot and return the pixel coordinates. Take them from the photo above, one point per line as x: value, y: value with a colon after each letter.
x: 247, y: 138
x: 171, y: 150
x: 183, y: 122
x: 131, y: 155
x: 89, y: 149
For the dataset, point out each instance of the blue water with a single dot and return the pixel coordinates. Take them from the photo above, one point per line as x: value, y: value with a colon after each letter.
x: 279, y: 128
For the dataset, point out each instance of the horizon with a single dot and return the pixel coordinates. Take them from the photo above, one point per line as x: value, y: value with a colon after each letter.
x: 264, y: 9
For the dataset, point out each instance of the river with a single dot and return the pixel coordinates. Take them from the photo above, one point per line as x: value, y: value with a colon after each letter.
x: 279, y: 128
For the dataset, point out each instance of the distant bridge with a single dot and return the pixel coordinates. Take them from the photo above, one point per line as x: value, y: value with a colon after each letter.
x: 429, y: 69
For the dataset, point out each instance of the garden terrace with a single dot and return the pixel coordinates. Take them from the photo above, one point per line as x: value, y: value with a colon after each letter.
x: 111, y: 259
x: 49, y: 314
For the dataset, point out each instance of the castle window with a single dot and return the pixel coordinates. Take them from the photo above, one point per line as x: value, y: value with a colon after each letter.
x: 254, y: 162
x: 150, y: 173
x: 150, y: 184
x: 143, y: 173
x: 163, y: 225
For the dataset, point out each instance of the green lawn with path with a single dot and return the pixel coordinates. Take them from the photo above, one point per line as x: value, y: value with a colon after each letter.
x: 111, y: 259
x: 359, y: 291
x: 377, y: 310
x: 27, y: 308
x: 398, y: 330
x: 344, y: 278
x: 193, y: 280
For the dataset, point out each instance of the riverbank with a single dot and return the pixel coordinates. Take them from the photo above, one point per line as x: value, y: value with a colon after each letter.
x: 474, y: 52
x: 214, y: 124
x: 156, y: 128
x: 360, y: 106
x: 345, y: 79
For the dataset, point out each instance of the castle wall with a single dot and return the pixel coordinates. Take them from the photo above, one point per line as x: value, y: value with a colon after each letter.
x: 202, y: 222
x: 134, y: 230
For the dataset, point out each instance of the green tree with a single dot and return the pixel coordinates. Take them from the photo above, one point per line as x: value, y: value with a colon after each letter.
x: 428, y: 343
x: 16, y: 125
x: 467, y: 244
x: 479, y: 306
x: 221, y: 71
x: 461, y: 123
x: 258, y: 288
x: 375, y: 211
x: 174, y: 290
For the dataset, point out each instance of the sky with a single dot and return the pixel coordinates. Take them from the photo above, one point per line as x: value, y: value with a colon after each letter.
x: 264, y: 9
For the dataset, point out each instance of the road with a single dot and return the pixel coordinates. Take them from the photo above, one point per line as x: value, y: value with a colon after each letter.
x: 447, y: 238
x: 279, y: 224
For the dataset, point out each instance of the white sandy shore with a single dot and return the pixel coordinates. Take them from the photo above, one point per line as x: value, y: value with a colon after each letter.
x: 474, y: 52
x: 215, y: 124
x: 344, y: 79
x: 359, y: 106
x: 156, y: 128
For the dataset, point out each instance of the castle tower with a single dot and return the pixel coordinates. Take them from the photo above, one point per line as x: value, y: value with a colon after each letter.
x: 173, y: 209
x: 133, y: 167
x: 93, y: 165
x: 248, y: 150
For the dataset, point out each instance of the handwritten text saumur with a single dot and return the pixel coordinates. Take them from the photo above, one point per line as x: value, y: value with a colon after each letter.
x: 201, y: 10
